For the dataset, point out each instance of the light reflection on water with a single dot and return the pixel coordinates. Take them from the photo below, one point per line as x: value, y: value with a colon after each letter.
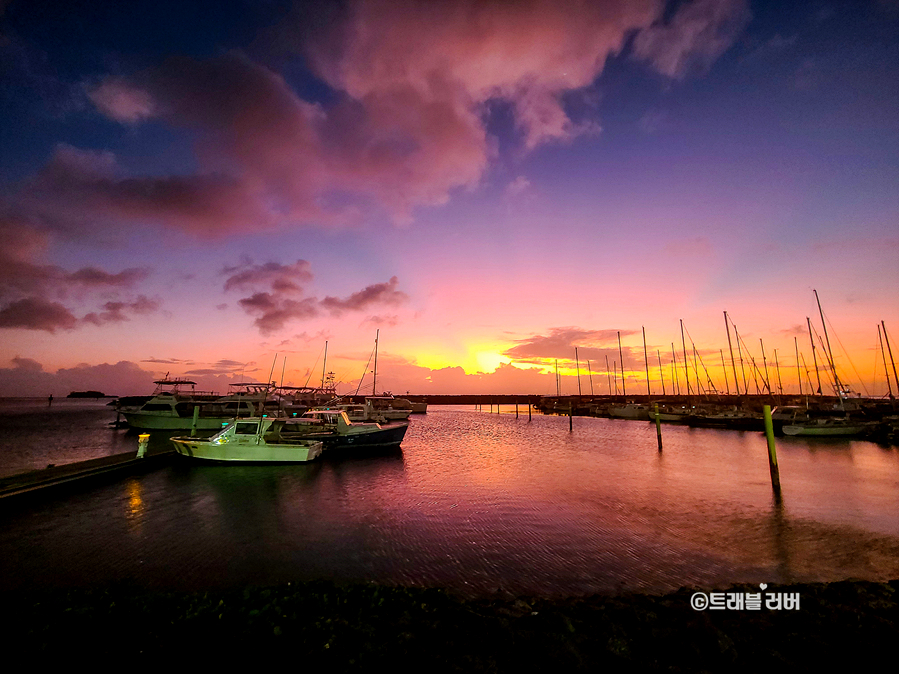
x: 483, y: 502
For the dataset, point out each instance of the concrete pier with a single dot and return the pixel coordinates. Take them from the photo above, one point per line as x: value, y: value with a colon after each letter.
x: 76, y: 474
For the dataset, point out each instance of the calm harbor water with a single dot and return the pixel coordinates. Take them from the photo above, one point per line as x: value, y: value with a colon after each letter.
x: 474, y: 501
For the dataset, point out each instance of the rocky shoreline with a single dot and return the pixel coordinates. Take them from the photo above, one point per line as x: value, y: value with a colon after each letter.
x: 349, y: 628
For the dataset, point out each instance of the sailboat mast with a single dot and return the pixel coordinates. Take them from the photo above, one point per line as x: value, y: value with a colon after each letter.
x: 684, y: 344
x: 621, y: 356
x: 836, y: 379
x: 814, y: 357
x: 661, y: 372
x: 885, y: 370
x: 798, y: 370
x: 609, y: 374
x: 558, y: 381
x: 724, y: 369
x: 730, y: 346
x: 325, y: 364
x: 674, y: 368
x: 740, y: 354
x: 374, y: 385
x: 590, y: 374
x: 577, y: 365
x: 780, y: 384
x: 646, y: 363
x: 767, y: 381
x: 886, y: 338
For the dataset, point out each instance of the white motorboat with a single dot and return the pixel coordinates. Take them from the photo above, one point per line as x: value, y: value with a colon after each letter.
x: 251, y: 440
x: 829, y: 427
x: 172, y: 408
x: 388, y: 408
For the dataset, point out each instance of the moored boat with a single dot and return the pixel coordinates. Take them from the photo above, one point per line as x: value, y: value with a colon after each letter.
x: 334, y: 428
x: 829, y: 427
x: 250, y: 440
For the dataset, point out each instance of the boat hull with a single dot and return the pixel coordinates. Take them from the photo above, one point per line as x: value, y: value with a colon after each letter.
x: 386, y: 436
x: 248, y: 451
x: 825, y: 430
x: 150, y: 421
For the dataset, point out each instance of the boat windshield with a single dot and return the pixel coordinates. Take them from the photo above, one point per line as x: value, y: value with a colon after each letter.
x: 246, y: 428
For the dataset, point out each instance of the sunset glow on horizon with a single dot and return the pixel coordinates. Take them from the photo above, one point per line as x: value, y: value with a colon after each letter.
x: 206, y: 191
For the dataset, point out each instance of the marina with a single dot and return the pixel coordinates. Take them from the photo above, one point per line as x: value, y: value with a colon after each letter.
x: 470, y: 501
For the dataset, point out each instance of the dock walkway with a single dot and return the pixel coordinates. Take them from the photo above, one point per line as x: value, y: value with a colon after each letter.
x: 35, y: 481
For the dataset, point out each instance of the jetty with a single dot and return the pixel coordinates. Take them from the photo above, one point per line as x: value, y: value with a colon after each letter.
x: 78, y: 474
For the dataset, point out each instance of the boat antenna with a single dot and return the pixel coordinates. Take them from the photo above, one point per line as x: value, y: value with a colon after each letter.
x: 281, y: 397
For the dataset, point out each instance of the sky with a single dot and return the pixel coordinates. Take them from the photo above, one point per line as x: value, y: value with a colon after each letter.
x: 500, y: 191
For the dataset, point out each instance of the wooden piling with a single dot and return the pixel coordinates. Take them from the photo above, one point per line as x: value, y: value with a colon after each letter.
x: 516, y: 410
x: 529, y: 410
x: 570, y: 422
x: 655, y: 408
x: 772, y: 451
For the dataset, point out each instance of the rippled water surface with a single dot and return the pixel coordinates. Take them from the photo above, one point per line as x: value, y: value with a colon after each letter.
x: 474, y: 501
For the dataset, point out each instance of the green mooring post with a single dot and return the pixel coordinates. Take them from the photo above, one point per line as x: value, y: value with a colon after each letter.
x: 655, y: 408
x: 772, y: 451
x: 193, y: 425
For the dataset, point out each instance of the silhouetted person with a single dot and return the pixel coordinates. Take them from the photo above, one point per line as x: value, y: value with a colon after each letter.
x: 50, y: 400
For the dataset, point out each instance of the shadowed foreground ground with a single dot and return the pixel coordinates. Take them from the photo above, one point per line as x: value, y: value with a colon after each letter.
x: 368, y: 627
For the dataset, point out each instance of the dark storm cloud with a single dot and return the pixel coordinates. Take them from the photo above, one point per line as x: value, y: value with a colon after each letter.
x: 34, y: 313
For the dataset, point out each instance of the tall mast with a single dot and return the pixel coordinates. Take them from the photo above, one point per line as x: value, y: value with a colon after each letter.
x: 609, y: 374
x: 577, y: 364
x: 886, y: 338
x: 615, y: 372
x: 374, y: 385
x: 885, y: 370
x: 780, y: 384
x: 767, y: 381
x: 684, y: 344
x: 646, y: 362
x: 558, y: 382
x: 731, y: 347
x: 814, y: 357
x: 724, y: 369
x: 325, y: 364
x: 674, y: 368
x: 661, y: 372
x: 836, y: 379
x: 740, y: 354
x: 798, y: 371
x: 621, y: 356
x: 590, y: 374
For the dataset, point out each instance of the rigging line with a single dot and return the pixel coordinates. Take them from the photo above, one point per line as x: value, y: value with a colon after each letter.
x: 705, y: 369
x: 808, y: 377
x: 314, y: 365
x: 754, y: 366
x: 364, y: 372
x: 846, y: 354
